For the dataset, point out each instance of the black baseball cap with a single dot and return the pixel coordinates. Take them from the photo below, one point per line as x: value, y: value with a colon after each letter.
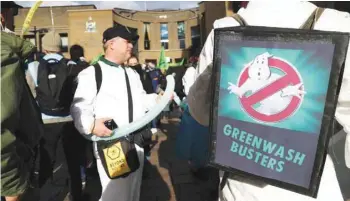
x: 9, y: 4
x: 119, y: 31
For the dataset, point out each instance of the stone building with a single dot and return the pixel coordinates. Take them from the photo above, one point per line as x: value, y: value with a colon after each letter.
x: 181, y: 32
x: 41, y: 23
x: 177, y: 31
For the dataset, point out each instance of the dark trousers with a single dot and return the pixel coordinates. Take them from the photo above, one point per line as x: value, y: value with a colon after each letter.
x: 67, y: 150
x: 209, y: 181
x: 54, y: 176
x: 79, y: 153
x: 74, y: 148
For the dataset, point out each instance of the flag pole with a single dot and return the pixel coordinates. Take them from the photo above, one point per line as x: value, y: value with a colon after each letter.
x: 52, y: 20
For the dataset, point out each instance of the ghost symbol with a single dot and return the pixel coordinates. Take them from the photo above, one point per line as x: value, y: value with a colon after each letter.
x: 260, y: 76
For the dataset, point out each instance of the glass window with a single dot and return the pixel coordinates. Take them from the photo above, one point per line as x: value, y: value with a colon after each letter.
x: 164, y: 37
x: 181, y: 30
x: 181, y: 34
x: 195, y: 31
x: 164, y: 32
x: 182, y: 44
x: 64, y: 41
x: 147, y: 42
x: 165, y: 45
x: 195, y: 37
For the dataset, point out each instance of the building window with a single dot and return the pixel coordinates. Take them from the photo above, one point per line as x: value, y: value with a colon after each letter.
x: 195, y: 31
x: 164, y: 37
x: 195, y: 37
x: 165, y: 45
x: 181, y: 34
x: 182, y: 44
x: 64, y: 41
x: 147, y: 42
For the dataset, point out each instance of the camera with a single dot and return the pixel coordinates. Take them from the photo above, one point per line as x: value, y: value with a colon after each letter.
x: 110, y: 124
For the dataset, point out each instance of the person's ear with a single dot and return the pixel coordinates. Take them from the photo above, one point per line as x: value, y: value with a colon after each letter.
x: 2, y: 19
x: 112, y: 43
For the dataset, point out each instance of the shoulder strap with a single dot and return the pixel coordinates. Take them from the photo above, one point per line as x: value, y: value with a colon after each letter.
x: 239, y: 19
x: 130, y: 105
x: 310, y: 22
x: 224, y: 180
x: 98, y: 76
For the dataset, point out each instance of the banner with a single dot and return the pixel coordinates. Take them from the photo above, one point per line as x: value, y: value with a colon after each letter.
x: 274, y: 103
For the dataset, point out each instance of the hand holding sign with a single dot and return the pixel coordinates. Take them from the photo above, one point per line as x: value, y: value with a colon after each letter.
x: 293, y: 91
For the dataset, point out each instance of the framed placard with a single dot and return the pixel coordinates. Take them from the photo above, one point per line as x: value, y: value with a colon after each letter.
x: 274, y: 99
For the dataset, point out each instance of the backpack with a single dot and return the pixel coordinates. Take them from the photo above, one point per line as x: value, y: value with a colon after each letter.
x: 76, y: 67
x: 54, y: 94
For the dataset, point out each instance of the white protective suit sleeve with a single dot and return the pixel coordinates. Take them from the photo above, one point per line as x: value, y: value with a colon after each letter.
x: 188, y: 79
x: 83, y: 103
x: 343, y: 106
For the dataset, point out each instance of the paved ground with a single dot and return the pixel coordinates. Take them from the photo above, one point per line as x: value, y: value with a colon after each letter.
x: 168, y: 178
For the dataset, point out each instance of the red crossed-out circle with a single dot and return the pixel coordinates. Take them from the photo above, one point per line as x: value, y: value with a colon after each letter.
x: 291, y: 77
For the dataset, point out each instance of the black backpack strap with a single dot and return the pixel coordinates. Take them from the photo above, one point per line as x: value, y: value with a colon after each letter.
x: 310, y: 22
x: 98, y: 76
x: 224, y: 180
x: 239, y: 19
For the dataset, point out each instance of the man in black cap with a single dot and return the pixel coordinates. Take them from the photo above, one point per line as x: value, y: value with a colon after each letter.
x: 120, y: 98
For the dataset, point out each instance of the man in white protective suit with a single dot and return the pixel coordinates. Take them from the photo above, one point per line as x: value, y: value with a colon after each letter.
x: 283, y: 14
x: 90, y: 110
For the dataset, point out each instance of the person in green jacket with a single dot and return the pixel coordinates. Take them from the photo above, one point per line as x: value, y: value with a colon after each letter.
x: 21, y: 124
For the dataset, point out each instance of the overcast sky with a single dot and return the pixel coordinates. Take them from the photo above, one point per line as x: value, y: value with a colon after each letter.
x: 134, y: 5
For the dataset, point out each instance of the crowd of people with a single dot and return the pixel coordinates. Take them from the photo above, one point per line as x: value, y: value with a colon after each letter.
x: 52, y: 108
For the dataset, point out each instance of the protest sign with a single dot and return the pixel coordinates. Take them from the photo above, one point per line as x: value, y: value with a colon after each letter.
x: 274, y: 99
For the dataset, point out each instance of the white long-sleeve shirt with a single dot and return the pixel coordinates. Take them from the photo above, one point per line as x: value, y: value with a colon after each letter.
x: 286, y: 14
x: 188, y: 79
x: 112, y: 99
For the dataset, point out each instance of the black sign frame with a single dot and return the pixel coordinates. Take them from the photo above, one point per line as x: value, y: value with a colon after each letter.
x: 340, y: 41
